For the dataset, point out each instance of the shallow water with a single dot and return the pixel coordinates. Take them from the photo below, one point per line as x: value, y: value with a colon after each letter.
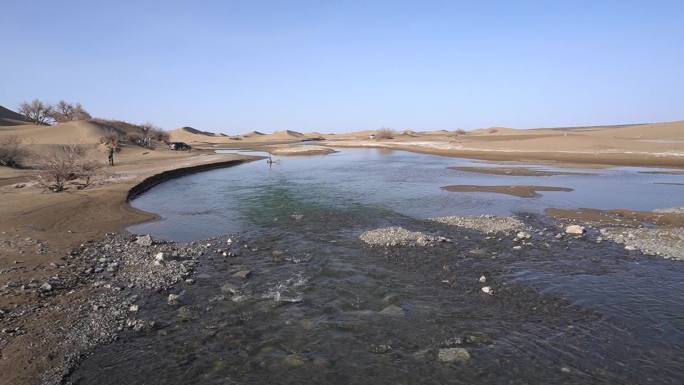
x: 239, y: 198
x: 315, y: 309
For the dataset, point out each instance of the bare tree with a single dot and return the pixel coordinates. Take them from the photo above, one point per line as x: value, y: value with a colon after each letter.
x: 12, y: 153
x: 65, y: 112
x: 37, y: 111
x: 147, y: 128
x: 69, y: 164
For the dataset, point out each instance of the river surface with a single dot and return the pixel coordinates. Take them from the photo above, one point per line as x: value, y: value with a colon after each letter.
x: 321, y: 307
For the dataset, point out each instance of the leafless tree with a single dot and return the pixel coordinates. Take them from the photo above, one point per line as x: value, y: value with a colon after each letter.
x: 37, y: 111
x: 65, y: 111
x: 12, y: 153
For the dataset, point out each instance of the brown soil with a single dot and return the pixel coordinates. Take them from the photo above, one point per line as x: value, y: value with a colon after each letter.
x: 522, y: 191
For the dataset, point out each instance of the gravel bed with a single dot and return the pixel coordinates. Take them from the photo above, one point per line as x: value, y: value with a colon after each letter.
x: 399, y: 236
x: 668, y: 243
x: 488, y: 224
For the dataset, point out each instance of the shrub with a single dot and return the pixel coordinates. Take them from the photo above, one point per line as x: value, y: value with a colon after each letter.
x: 69, y: 164
x: 460, y: 131
x: 385, y: 133
x: 12, y: 153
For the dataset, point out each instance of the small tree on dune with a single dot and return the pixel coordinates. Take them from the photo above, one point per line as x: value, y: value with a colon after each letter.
x: 37, y: 111
x: 65, y: 112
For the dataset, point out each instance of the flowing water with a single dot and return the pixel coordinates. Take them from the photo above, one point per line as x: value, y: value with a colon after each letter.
x: 322, y: 307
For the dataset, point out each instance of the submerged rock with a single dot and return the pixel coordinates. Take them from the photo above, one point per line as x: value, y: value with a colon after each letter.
x: 453, y: 355
x: 393, y: 310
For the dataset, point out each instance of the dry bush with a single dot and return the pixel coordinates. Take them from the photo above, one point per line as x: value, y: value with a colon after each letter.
x: 160, y: 135
x: 385, y: 133
x: 460, y: 131
x: 37, y: 111
x: 69, y: 165
x: 12, y: 152
x: 493, y: 130
x: 65, y: 112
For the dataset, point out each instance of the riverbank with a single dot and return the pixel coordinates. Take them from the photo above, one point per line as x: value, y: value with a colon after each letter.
x: 569, y: 158
x: 39, y: 230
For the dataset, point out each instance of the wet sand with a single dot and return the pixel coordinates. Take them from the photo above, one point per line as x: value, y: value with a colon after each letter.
x: 514, y: 171
x: 522, y: 191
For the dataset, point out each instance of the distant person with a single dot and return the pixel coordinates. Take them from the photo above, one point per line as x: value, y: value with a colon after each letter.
x: 111, y: 155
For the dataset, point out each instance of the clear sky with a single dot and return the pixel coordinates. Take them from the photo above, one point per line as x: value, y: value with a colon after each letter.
x: 236, y: 66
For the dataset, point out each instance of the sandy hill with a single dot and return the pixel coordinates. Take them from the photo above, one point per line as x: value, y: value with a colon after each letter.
x: 287, y: 134
x: 77, y: 132
x: 197, y: 132
x: 253, y: 133
x: 11, y: 118
x: 192, y: 135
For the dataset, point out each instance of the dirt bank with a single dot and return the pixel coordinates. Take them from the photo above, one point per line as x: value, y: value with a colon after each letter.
x: 39, y: 231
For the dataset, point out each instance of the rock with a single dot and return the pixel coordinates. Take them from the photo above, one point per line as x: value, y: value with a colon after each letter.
x: 45, y: 287
x: 159, y: 257
x: 173, y: 299
x: 294, y: 360
x: 134, y: 308
x: 189, y: 281
x: 453, y: 355
x: 243, y: 274
x: 380, y: 349
x: 144, y: 240
x: 575, y: 230
x: 523, y: 235
x: 482, y: 279
x: 393, y: 310
x: 630, y: 248
x: 229, y: 288
x: 488, y: 290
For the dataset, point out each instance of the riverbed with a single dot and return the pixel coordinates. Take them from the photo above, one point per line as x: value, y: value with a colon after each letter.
x: 287, y: 293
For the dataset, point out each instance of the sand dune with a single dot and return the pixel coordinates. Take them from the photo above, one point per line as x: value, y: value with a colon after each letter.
x: 192, y: 135
x: 77, y: 132
x: 11, y: 118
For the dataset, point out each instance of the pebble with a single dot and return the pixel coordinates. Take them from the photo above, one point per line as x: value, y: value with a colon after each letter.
x: 488, y: 290
x: 134, y: 308
x: 482, y: 279
x: 144, y: 240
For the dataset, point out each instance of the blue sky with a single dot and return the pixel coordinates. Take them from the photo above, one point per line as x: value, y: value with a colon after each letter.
x: 236, y: 66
